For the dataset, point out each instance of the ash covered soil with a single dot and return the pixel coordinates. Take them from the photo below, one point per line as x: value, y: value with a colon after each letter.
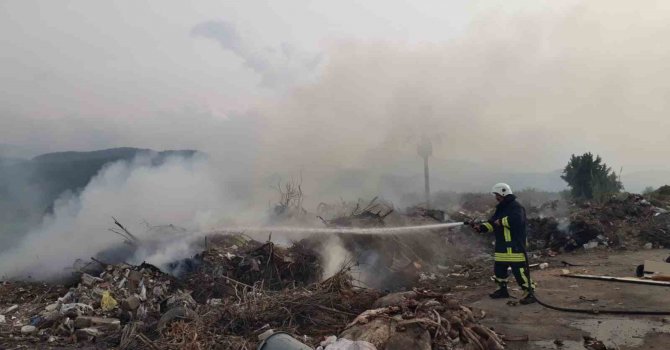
x: 411, y: 291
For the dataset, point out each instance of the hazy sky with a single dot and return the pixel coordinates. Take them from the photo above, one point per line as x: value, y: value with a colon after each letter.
x: 342, y: 83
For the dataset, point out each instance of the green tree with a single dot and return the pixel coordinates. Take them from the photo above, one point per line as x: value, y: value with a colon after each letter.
x: 590, y: 177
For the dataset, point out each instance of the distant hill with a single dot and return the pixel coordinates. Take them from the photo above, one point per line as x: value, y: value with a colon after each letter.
x: 17, y: 152
x: 29, y: 187
x: 638, y: 181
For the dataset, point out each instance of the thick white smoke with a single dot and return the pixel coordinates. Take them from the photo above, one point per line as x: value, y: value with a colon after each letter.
x: 184, y: 192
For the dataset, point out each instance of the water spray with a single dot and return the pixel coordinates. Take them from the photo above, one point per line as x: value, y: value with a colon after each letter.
x: 349, y: 230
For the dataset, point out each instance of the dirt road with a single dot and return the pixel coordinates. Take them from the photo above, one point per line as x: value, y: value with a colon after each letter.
x: 544, y: 326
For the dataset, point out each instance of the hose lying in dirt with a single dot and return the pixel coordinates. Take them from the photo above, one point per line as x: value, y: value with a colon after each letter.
x: 604, y: 312
x: 591, y: 311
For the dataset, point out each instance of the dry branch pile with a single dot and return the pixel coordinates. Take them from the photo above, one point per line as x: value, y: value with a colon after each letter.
x: 238, y: 260
x: 369, y: 215
x: 334, y: 306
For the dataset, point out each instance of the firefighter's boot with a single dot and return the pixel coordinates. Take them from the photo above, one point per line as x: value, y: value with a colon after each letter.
x: 528, y: 298
x: 501, y: 293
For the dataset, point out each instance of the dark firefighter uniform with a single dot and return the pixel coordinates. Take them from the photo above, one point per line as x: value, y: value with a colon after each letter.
x: 509, y: 225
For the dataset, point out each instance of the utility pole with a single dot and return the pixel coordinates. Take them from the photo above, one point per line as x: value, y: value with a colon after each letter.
x: 425, y: 150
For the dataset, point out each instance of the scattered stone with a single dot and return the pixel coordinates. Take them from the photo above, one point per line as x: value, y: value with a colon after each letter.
x: 89, y: 280
x: 10, y: 309
x: 393, y: 299
x: 177, y: 313
x: 376, y: 332
x: 427, y: 277
x: 215, y: 301
x: 591, y: 343
x: 648, y: 245
x: 28, y: 329
x: 52, y: 307
x: 87, y: 333
x: 590, y: 245
x: 134, y: 278
x: 414, y: 337
x: 181, y: 298
x: 106, y: 323
x: 82, y: 322
x: 131, y: 303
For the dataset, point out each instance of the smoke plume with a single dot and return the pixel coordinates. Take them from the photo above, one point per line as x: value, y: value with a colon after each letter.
x: 186, y: 192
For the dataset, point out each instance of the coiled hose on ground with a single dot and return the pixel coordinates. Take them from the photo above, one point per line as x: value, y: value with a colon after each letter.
x: 590, y: 311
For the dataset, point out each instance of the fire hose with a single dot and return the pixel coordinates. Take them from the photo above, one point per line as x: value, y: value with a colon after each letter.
x: 577, y: 310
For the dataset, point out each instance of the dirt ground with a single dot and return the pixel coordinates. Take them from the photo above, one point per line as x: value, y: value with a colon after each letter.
x: 543, y: 326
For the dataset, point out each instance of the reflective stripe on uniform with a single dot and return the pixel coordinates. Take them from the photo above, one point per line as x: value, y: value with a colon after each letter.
x: 526, y: 284
x: 505, y: 221
x: 489, y: 227
x: 500, y: 280
x: 525, y: 279
x: 506, y: 231
x: 510, y: 257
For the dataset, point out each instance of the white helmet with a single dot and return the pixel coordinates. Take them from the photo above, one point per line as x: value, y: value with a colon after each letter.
x: 502, y: 189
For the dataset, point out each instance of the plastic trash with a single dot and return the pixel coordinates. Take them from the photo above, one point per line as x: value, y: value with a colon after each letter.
x: 108, y: 303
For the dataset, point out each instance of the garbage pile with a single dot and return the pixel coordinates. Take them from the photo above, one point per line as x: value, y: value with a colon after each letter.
x: 658, y: 232
x: 235, y: 294
x: 96, y: 308
x: 266, y: 266
x: 626, y: 221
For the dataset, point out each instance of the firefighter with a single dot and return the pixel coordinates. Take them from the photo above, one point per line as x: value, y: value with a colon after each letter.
x: 509, y: 225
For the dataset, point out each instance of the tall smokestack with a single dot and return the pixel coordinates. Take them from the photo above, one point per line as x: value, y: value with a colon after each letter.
x: 425, y: 150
